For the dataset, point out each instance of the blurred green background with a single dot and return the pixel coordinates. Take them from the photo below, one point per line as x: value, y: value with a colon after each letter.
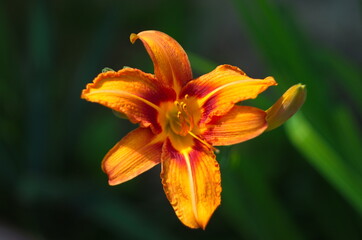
x: 300, y: 181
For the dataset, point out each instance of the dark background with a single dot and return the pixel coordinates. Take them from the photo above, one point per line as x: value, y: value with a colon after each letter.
x: 300, y: 181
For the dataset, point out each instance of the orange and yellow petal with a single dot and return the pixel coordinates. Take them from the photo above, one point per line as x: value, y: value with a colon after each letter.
x: 132, y: 92
x: 136, y: 153
x: 171, y: 64
x: 192, y: 183
x: 241, y: 123
x: 219, y: 90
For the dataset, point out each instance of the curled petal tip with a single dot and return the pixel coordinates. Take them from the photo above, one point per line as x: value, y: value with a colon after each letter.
x: 291, y: 101
x: 272, y: 81
x: 133, y: 37
x: 112, y: 183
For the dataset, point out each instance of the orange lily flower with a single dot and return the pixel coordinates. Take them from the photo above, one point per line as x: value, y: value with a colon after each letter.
x: 181, y: 120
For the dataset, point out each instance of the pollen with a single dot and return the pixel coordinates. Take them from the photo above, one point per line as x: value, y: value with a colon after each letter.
x: 180, y: 120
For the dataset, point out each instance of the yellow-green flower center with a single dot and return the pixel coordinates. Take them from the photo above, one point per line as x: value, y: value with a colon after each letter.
x: 177, y: 118
x: 179, y: 121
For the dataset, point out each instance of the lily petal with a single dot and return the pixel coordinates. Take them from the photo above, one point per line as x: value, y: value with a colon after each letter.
x: 191, y: 180
x: 132, y: 92
x: 219, y: 90
x: 171, y: 64
x: 136, y: 153
x: 241, y: 123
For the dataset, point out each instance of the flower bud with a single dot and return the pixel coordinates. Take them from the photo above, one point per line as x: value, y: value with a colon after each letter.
x: 291, y: 101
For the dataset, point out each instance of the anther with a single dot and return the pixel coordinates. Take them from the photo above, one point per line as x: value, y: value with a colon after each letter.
x: 184, y: 106
x: 204, y: 142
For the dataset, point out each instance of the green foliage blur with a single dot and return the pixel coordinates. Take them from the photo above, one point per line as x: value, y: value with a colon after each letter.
x: 300, y: 181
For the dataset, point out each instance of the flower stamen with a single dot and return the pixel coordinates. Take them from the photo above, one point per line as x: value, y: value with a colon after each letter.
x: 181, y: 121
x: 204, y: 142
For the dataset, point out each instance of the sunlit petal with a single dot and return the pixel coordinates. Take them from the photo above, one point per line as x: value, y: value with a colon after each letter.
x: 241, y: 123
x: 137, y: 152
x: 191, y: 181
x: 171, y: 64
x: 132, y: 92
x: 219, y: 90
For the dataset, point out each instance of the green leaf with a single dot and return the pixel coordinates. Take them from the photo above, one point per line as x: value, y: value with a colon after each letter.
x: 325, y: 159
